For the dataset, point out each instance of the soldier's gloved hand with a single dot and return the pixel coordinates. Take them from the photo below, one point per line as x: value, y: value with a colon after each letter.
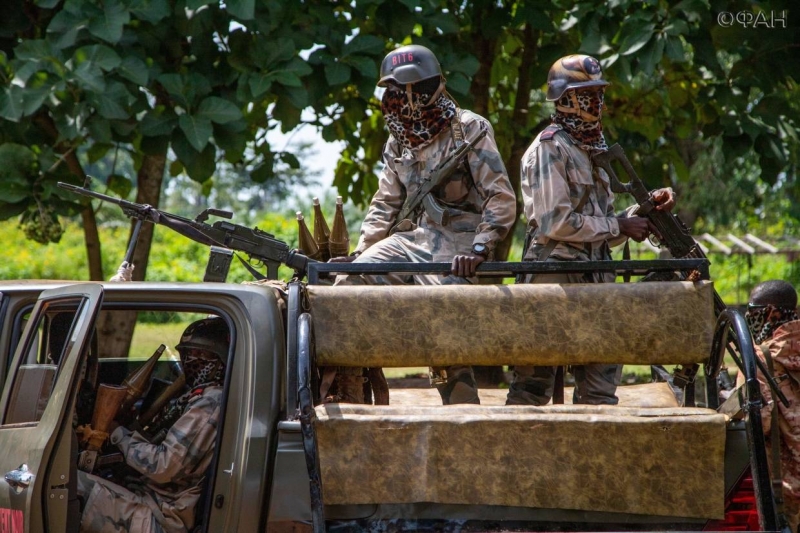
x: 664, y: 199
x: 637, y: 228
x: 466, y: 265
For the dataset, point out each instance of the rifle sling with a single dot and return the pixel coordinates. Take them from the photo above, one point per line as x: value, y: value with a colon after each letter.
x: 457, y: 132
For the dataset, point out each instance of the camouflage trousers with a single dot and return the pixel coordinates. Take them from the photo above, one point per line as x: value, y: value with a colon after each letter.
x: 111, y: 508
x: 422, y: 245
x: 594, y: 384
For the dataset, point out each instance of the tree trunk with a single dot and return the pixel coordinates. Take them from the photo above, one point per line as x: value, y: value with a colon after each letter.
x: 90, y: 235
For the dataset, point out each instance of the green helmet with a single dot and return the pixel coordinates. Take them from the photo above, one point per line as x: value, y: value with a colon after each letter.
x: 409, y: 64
x: 210, y: 335
x: 573, y: 72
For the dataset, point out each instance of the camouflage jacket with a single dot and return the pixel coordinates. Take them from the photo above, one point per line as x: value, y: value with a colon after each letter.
x: 556, y: 174
x: 174, y: 470
x: 784, y: 347
x: 488, y: 208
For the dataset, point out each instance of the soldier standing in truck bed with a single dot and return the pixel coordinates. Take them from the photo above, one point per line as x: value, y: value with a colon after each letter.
x: 426, y: 125
x: 570, y: 211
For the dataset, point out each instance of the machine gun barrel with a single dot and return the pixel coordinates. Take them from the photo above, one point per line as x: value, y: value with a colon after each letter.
x: 257, y: 244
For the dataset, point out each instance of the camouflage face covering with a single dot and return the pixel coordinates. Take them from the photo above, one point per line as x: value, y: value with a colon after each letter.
x: 764, y: 320
x: 415, y: 126
x: 202, y: 370
x: 588, y: 134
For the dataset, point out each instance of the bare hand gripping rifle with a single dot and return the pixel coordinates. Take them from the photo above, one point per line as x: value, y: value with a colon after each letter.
x: 258, y: 245
x: 437, y: 176
x: 675, y: 236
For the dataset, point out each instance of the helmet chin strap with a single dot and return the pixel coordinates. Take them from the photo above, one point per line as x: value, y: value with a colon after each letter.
x: 576, y: 109
x: 431, y: 100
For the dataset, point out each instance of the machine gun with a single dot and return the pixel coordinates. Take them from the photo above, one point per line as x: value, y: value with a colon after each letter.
x: 258, y: 245
x: 437, y: 176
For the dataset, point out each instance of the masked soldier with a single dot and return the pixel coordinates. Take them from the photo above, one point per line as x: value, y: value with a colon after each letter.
x: 426, y: 125
x: 570, y: 211
x: 772, y: 319
x: 172, y: 471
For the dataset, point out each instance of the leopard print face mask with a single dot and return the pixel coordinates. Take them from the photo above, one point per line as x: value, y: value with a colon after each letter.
x: 202, y: 371
x: 763, y: 321
x: 415, y: 126
x: 587, y: 133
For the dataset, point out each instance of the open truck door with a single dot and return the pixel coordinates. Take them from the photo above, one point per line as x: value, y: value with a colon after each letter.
x: 39, y: 448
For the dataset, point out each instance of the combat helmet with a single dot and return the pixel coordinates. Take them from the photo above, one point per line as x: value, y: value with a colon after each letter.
x: 209, y: 334
x: 408, y: 65
x: 572, y: 72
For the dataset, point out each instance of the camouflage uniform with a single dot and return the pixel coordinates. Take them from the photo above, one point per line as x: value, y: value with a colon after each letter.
x: 481, y: 201
x: 173, y: 474
x: 557, y: 175
x: 784, y: 347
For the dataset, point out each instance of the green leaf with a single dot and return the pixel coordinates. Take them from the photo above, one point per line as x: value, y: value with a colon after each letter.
x: 203, y: 166
x: 33, y: 50
x: 158, y: 122
x: 651, y: 55
x: 337, y: 73
x: 108, y: 26
x: 120, y: 185
x: 458, y: 83
x: 242, y: 9
x: 675, y: 51
x: 98, y: 150
x: 135, y: 70
x: 634, y: 41
x: 11, y: 103
x: 260, y: 83
x: 89, y: 77
x: 676, y: 27
x: 466, y: 64
x: 298, y: 66
x: 286, y: 113
x: 47, y: 4
x: 152, y: 11
x: 14, y: 190
x: 99, y: 55
x: 365, y: 65
x: 364, y: 44
x: 112, y: 102
x: 290, y: 159
x: 198, y: 130
x: 194, y: 4
x: 173, y: 84
x: 32, y: 99
x: 264, y: 171
x: 99, y: 129
x: 268, y: 52
x: 218, y: 110
x: 289, y: 79
x: 298, y: 97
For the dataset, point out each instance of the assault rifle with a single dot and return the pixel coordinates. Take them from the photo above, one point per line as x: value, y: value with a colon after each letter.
x: 675, y: 236
x: 258, y: 245
x: 437, y: 176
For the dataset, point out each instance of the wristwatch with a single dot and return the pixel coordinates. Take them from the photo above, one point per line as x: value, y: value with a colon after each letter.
x: 480, y: 249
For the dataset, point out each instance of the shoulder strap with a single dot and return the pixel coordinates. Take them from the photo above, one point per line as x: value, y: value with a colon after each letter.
x: 457, y: 131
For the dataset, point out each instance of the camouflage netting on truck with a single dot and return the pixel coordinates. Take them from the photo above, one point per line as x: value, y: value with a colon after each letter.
x: 548, y: 324
x: 622, y: 460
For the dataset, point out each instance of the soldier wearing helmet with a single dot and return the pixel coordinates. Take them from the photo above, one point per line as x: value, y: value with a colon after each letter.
x: 425, y: 126
x: 570, y: 209
x: 173, y: 465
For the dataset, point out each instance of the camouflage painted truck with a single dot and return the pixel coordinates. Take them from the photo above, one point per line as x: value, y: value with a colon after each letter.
x: 286, y: 462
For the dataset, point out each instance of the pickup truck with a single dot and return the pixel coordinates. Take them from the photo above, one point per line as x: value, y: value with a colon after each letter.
x: 286, y: 462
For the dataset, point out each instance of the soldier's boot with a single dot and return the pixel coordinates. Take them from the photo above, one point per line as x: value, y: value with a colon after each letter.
x: 350, y: 388
x: 460, y: 386
x: 531, y: 385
